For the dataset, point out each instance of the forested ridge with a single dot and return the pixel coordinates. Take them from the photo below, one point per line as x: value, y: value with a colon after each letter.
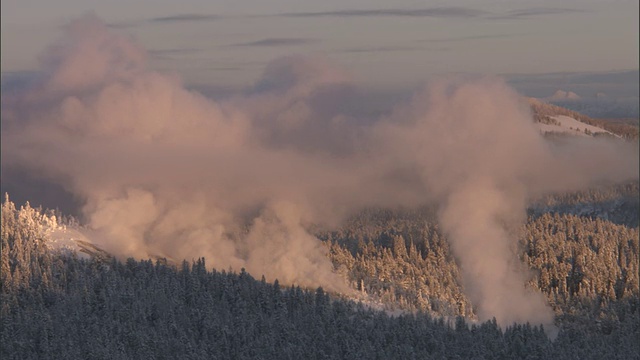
x: 587, y: 263
x: 543, y: 112
x: 57, y: 304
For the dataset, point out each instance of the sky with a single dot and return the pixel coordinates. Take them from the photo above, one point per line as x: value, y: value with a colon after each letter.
x: 398, y: 45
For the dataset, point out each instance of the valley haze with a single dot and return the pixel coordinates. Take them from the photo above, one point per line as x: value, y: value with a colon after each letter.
x: 160, y: 170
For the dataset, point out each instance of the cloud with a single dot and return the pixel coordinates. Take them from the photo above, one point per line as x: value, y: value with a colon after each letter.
x: 617, y: 84
x: 181, y: 18
x: 226, y: 68
x: 271, y: 42
x: 173, y: 53
x: 14, y: 81
x: 379, y: 49
x: 438, y: 12
x: 164, y: 171
x: 535, y: 12
x: 433, y: 12
x: 90, y: 57
x: 186, y: 18
x: 124, y: 24
x: 467, y: 38
x: 441, y: 12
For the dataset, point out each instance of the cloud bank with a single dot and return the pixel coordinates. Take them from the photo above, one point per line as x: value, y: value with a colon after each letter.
x: 186, y: 18
x: 164, y: 171
x: 438, y: 12
x: 268, y: 42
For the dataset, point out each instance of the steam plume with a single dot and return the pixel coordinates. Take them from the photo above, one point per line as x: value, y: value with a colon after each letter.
x: 167, y: 172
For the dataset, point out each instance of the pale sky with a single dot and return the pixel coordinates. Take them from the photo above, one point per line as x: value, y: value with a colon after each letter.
x: 392, y: 44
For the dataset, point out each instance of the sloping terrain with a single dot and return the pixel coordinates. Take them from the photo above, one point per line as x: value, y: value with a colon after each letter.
x: 555, y: 119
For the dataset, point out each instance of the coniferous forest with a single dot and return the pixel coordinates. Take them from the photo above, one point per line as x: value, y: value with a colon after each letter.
x: 582, y: 249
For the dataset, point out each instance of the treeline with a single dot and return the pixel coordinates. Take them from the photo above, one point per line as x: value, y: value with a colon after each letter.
x: 400, y: 259
x: 628, y: 191
x: 585, y: 266
x: 59, y: 306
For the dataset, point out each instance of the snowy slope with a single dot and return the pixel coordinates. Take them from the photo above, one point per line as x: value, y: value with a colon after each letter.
x: 68, y: 239
x: 571, y: 126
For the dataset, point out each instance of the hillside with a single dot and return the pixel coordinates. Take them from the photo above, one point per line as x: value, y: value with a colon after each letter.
x: 58, y: 303
x: 556, y: 119
x: 404, y: 260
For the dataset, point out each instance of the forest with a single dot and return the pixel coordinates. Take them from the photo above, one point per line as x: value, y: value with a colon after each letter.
x: 581, y: 249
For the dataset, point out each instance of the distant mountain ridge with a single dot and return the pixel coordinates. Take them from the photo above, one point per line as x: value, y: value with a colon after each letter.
x: 562, y: 95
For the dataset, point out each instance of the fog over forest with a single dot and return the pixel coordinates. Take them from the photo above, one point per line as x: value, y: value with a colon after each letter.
x: 164, y: 172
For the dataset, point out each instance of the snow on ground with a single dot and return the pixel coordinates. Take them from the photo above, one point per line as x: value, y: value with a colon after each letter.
x: 572, y: 126
x: 67, y: 239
